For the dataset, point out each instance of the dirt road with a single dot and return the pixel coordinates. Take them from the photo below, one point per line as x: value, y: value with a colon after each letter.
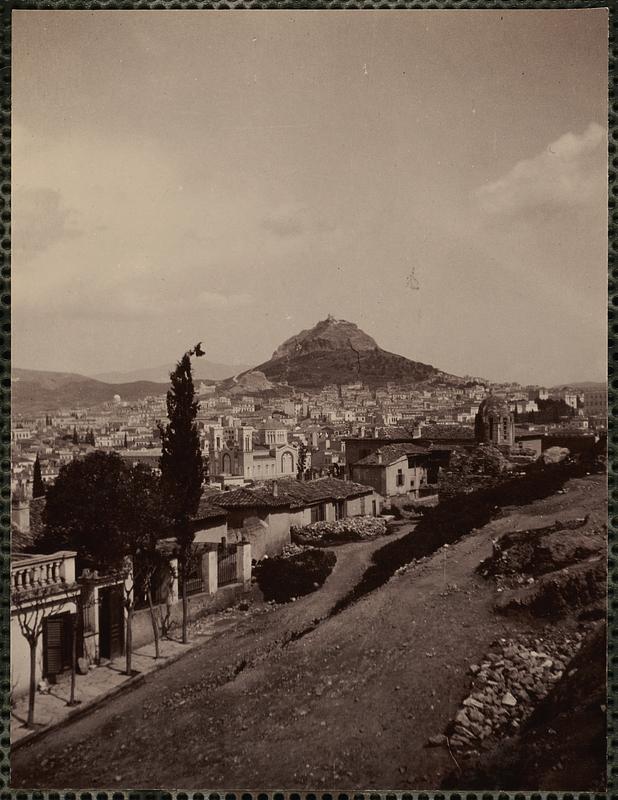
x: 349, y: 704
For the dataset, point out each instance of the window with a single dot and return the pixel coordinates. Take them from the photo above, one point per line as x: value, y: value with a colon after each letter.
x: 400, y: 479
x: 317, y: 513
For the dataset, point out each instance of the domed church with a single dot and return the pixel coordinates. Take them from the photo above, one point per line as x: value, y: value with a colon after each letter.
x: 494, y: 423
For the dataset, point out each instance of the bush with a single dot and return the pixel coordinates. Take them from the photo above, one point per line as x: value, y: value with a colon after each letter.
x: 282, y: 578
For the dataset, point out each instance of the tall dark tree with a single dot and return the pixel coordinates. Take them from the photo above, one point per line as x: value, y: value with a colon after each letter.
x: 302, y: 461
x: 126, y: 441
x: 75, y: 436
x: 38, y: 487
x: 182, y: 466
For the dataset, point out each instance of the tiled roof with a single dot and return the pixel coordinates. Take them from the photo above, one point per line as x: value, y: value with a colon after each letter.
x: 249, y: 498
x: 391, y: 453
x: 207, y: 508
x: 303, y: 493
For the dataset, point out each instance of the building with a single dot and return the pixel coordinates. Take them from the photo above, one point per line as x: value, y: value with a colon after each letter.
x: 494, y: 423
x: 394, y: 469
x: 232, y: 452
x: 328, y: 499
x: 595, y: 403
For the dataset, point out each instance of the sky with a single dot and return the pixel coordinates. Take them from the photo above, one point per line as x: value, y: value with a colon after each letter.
x: 437, y: 177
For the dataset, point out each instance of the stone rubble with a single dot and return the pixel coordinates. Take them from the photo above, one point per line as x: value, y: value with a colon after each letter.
x: 506, y: 687
x: 344, y: 530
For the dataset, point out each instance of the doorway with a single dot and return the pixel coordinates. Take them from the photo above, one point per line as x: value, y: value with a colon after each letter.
x: 111, y: 622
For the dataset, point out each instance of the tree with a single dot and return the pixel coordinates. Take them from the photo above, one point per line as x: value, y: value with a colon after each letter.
x: 146, y: 527
x: 302, y: 461
x: 75, y: 436
x: 90, y: 509
x: 126, y: 441
x: 33, y: 606
x: 182, y: 466
x: 38, y: 487
x: 86, y: 510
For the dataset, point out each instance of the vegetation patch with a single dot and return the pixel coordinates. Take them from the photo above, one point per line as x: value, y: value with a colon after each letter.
x: 284, y: 578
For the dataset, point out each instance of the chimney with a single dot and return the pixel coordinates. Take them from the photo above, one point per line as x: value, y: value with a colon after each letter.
x: 275, y: 489
x: 379, y: 456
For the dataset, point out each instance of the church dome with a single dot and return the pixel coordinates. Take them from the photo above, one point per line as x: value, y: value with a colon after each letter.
x: 494, y: 406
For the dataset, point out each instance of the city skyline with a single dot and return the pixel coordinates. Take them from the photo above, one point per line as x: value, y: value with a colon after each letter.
x: 438, y: 178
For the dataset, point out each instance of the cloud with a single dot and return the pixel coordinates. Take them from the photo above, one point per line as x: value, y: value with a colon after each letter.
x: 570, y: 173
x: 293, y: 219
x: 40, y: 221
x: 284, y: 223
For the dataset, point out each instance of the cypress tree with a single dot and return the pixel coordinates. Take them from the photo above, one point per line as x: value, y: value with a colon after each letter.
x: 182, y: 466
x: 38, y: 487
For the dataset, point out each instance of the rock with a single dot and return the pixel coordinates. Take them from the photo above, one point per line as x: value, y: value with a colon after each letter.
x: 475, y: 715
x: 471, y: 701
x: 508, y: 700
x: 475, y: 669
x: 436, y: 741
x: 461, y: 717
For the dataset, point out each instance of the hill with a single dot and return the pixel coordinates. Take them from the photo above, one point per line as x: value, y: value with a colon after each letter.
x: 335, y: 352
x: 203, y: 370
x: 37, y: 390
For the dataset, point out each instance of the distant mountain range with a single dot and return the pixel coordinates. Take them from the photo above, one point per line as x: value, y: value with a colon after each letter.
x: 335, y: 352
x: 34, y: 390
x: 203, y: 370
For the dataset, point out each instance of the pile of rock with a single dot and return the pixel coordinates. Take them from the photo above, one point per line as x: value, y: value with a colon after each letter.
x: 350, y: 529
x: 293, y: 549
x: 507, y: 686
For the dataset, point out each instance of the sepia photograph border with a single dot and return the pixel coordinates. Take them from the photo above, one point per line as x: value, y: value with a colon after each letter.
x: 231, y: 792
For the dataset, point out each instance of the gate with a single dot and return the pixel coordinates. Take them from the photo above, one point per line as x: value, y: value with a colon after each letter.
x: 226, y: 564
x: 111, y: 622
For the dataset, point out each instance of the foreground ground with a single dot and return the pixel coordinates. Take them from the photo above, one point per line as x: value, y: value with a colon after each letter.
x: 291, y: 698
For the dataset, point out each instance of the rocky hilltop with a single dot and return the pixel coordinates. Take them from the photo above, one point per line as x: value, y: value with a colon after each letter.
x: 336, y: 351
x: 329, y: 334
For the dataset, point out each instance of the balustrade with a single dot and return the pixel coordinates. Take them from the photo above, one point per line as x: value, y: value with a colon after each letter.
x: 42, y: 571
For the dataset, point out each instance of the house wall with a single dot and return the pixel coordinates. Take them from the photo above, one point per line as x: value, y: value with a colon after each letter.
x: 199, y: 605
x: 356, y: 508
x: 20, y: 651
x: 301, y: 517
x: 383, y: 478
x: 272, y: 539
x: 212, y: 533
x: 370, y: 475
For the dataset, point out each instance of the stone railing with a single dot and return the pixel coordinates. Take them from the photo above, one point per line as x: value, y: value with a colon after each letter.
x: 55, y: 569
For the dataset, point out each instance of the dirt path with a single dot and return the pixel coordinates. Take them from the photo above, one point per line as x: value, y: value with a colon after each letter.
x: 349, y: 704
x: 237, y: 639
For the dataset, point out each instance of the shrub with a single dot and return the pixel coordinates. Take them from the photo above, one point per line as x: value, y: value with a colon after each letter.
x: 281, y: 578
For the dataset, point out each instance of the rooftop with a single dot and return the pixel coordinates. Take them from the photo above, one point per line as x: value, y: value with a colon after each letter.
x: 389, y: 453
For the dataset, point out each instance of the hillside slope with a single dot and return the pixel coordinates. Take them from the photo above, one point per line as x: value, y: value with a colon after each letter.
x: 335, y: 352
x: 38, y: 390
